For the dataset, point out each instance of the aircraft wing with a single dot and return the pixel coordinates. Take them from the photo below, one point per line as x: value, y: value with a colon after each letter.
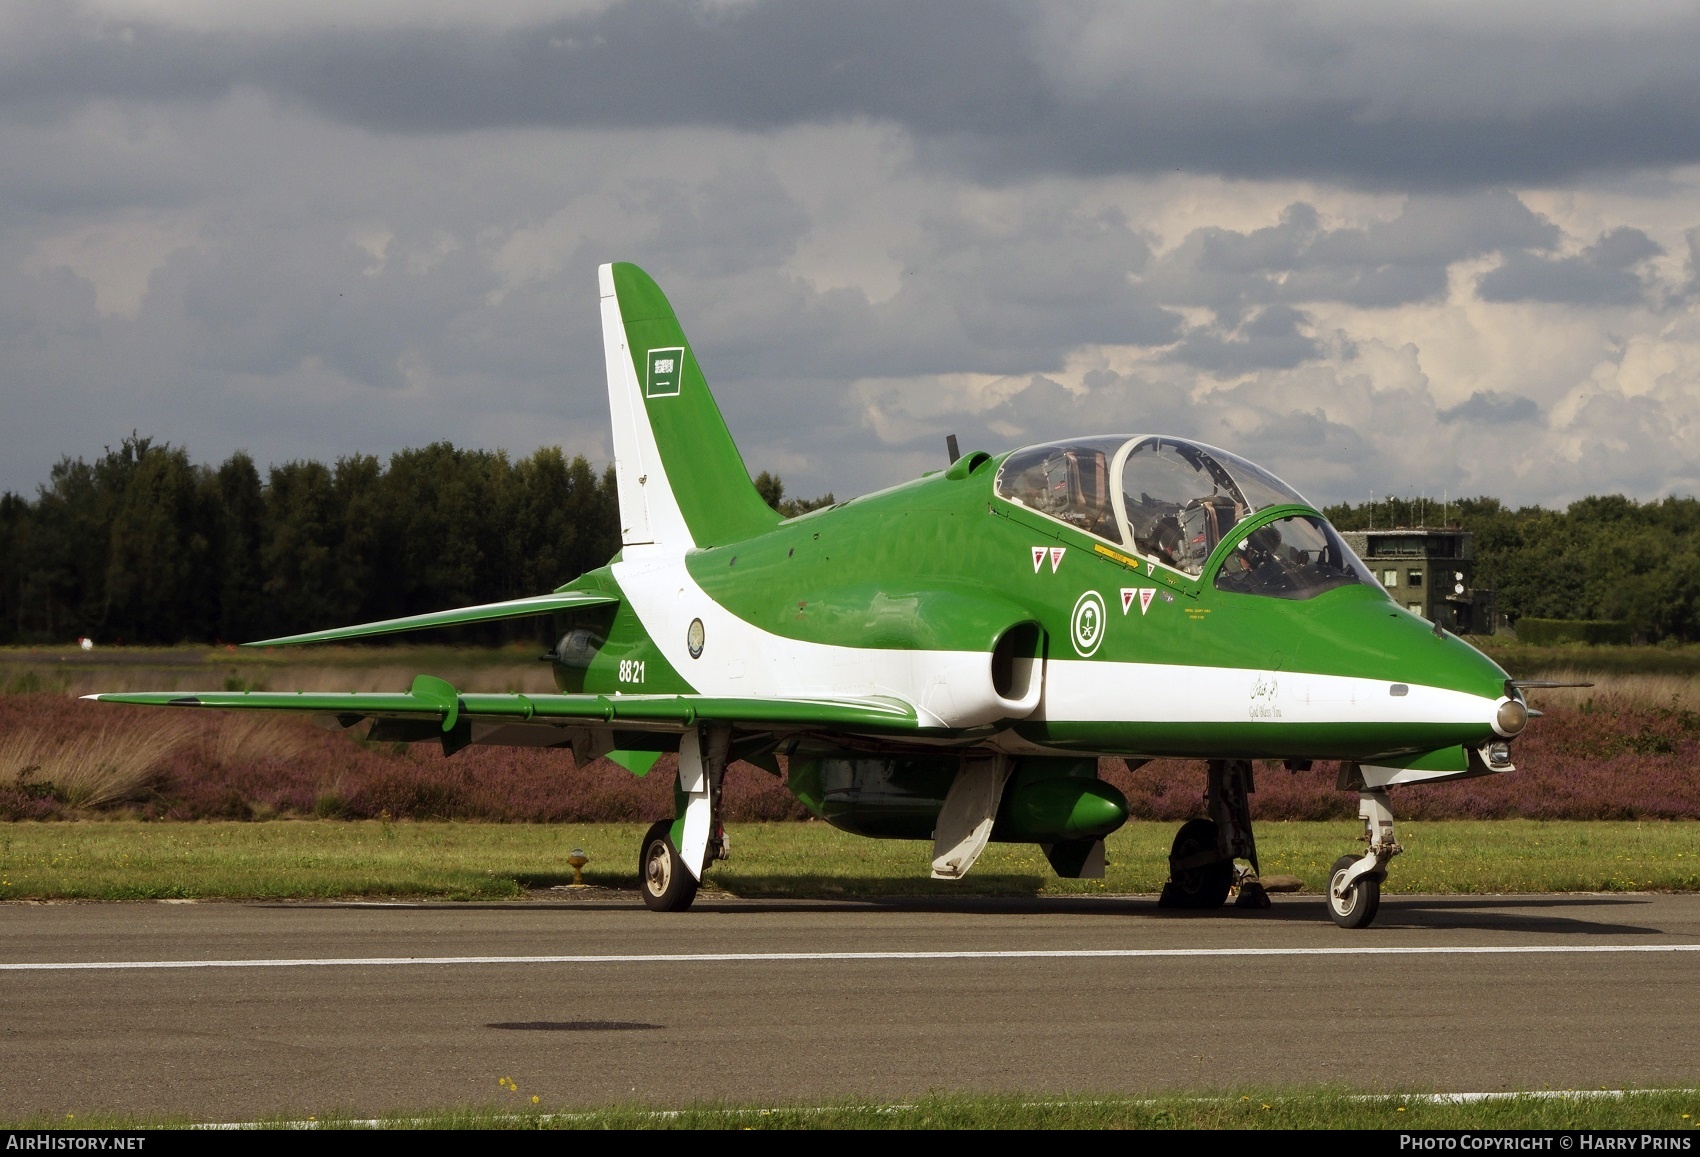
x: 487, y: 612
x: 434, y: 700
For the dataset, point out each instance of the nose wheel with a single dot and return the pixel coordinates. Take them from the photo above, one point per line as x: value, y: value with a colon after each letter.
x: 1354, y: 883
x: 1352, y: 904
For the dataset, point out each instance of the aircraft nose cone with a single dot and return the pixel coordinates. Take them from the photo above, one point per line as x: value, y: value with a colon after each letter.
x: 1511, y: 718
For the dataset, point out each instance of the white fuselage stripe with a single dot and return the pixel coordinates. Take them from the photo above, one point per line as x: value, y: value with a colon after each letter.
x: 785, y: 957
x: 1146, y: 692
x: 740, y: 659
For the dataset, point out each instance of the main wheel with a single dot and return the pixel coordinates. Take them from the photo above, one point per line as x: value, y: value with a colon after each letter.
x: 662, y: 877
x: 1202, y: 886
x: 1357, y: 907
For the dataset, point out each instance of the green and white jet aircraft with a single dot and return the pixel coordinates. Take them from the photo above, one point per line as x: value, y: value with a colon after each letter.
x: 948, y: 659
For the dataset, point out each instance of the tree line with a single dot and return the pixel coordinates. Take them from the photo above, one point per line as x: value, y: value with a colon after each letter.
x: 142, y: 545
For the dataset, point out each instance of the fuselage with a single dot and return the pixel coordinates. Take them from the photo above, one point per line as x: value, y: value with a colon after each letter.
x: 1009, y: 628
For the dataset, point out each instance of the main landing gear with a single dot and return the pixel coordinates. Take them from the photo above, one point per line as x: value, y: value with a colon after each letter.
x: 1202, y: 871
x: 674, y: 853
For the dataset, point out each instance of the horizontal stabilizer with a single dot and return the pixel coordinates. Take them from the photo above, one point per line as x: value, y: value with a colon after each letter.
x: 434, y: 699
x: 487, y: 612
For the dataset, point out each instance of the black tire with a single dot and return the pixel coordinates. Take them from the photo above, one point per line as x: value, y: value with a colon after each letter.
x: 1204, y: 886
x: 662, y: 878
x: 1358, y: 907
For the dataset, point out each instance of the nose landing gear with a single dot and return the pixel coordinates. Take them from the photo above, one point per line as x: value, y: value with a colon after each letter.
x: 1354, y: 883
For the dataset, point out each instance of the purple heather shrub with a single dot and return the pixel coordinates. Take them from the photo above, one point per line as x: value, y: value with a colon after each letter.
x: 1612, y: 760
x: 339, y: 775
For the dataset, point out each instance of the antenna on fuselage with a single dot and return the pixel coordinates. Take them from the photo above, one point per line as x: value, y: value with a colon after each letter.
x: 950, y: 447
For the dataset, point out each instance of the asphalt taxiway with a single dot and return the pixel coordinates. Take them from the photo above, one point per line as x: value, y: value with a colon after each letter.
x: 231, y: 1011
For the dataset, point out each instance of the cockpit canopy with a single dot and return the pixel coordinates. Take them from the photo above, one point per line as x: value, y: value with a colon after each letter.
x: 1172, y: 500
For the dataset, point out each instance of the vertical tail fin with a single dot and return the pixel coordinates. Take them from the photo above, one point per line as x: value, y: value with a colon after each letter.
x: 681, y: 480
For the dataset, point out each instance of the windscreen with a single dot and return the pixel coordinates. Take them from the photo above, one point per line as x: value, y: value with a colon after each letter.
x: 1297, y: 557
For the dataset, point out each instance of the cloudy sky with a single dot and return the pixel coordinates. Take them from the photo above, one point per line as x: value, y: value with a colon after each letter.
x: 1424, y: 247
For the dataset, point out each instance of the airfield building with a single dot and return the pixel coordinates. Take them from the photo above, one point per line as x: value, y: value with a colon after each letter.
x: 1429, y: 571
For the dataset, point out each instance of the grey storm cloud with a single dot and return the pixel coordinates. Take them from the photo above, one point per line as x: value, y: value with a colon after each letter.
x: 1270, y: 339
x: 1256, y: 281
x: 1602, y: 274
x: 1017, y: 298
x: 973, y: 298
x: 1492, y: 408
x: 1429, y: 96
x: 1394, y: 262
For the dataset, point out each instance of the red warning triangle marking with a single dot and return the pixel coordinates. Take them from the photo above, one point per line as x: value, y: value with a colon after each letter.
x: 1145, y: 596
x: 1038, y: 558
x: 1056, y: 557
x: 1127, y: 598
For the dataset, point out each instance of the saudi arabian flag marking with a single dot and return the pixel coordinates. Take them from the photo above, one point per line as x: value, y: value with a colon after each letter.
x: 1087, y: 624
x: 666, y: 366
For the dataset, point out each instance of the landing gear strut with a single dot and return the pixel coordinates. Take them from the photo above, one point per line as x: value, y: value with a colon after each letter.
x: 1354, y: 884
x: 1201, y: 860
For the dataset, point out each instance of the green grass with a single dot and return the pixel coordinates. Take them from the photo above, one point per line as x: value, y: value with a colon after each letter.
x: 128, y: 860
x: 1651, y: 1109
